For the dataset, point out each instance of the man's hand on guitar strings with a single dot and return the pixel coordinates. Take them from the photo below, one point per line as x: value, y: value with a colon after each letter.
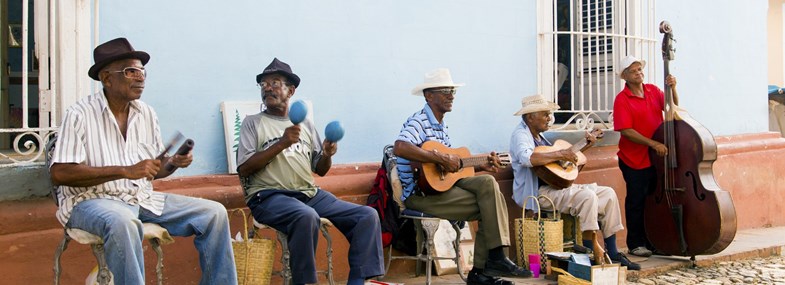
x: 568, y: 155
x: 448, y: 162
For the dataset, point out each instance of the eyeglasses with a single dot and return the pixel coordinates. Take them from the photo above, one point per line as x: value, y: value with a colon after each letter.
x: 274, y: 84
x: 132, y: 72
x: 444, y: 91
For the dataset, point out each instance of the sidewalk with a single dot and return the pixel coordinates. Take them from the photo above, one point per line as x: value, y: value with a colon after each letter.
x: 749, y: 243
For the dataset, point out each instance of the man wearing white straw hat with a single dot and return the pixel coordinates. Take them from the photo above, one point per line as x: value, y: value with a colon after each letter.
x: 596, y: 207
x: 470, y: 198
x: 637, y: 113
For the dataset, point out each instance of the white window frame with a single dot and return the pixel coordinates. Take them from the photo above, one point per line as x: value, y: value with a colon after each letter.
x: 594, y: 80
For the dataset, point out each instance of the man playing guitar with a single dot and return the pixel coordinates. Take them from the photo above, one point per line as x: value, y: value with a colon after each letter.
x: 596, y: 207
x: 470, y: 198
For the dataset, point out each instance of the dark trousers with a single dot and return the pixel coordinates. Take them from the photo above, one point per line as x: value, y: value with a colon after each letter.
x: 297, y: 215
x: 640, y: 183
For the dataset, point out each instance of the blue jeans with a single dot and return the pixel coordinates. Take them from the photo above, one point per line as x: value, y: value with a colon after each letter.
x: 297, y: 215
x: 120, y: 226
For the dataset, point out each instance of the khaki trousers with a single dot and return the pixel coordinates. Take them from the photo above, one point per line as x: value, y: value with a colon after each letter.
x: 471, y: 198
x: 597, y: 207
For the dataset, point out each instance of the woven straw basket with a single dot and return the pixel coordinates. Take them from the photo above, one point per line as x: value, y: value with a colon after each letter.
x: 253, y: 257
x: 538, y: 236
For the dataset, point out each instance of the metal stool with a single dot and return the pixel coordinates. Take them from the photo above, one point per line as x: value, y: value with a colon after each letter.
x: 153, y: 233
x: 286, y: 271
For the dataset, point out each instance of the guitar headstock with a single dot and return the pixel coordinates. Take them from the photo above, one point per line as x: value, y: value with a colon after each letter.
x: 597, y: 133
x: 504, y: 159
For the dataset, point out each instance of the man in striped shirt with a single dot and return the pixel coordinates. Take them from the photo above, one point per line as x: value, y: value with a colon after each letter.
x: 104, y: 162
x: 471, y: 198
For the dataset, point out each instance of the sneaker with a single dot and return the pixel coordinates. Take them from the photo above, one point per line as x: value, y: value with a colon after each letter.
x: 641, y: 251
x: 624, y: 261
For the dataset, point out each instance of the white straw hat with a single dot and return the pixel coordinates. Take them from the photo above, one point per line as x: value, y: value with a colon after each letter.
x: 535, y: 103
x: 439, y: 77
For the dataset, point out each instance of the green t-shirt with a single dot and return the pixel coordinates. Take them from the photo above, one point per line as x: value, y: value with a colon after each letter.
x: 292, y: 168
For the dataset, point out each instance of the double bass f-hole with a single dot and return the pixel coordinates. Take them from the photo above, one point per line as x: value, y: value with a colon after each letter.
x: 695, y: 188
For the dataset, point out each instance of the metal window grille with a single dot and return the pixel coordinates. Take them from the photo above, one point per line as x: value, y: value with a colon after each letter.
x: 580, y: 43
x: 27, y: 142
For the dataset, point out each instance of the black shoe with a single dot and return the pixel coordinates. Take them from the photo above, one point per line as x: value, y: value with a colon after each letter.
x: 621, y: 258
x: 478, y: 278
x: 505, y: 267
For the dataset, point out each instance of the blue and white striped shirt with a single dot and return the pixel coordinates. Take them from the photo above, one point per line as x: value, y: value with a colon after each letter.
x: 90, y: 136
x: 419, y: 128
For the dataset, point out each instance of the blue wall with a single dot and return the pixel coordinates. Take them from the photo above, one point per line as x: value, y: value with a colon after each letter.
x: 360, y: 59
x: 721, y: 62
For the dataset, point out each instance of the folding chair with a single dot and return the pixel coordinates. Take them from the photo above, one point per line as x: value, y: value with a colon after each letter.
x: 425, y: 226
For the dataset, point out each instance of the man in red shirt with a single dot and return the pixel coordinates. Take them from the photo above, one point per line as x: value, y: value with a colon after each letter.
x: 637, y: 113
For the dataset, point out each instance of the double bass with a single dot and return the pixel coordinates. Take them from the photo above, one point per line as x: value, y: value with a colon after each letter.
x: 687, y: 214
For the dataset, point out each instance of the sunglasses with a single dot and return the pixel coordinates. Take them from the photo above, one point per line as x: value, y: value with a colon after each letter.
x: 443, y: 91
x: 274, y: 84
x: 132, y: 72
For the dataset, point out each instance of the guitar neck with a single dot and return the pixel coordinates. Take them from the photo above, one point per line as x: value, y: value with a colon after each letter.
x: 475, y: 160
x: 578, y: 146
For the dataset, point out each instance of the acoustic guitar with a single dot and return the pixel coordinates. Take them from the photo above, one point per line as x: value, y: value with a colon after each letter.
x: 560, y: 174
x: 432, y: 177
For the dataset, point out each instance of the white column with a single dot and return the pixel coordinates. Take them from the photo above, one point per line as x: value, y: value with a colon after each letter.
x: 73, y: 38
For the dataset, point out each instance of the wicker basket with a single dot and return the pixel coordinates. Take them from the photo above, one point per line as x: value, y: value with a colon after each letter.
x: 538, y: 236
x: 253, y: 257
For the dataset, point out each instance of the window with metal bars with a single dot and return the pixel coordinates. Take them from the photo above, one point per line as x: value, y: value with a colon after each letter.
x: 580, y: 45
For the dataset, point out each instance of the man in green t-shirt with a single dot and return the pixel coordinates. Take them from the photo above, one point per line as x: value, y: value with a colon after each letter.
x: 277, y: 160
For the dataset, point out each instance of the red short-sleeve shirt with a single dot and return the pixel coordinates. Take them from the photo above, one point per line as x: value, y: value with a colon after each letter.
x: 641, y: 114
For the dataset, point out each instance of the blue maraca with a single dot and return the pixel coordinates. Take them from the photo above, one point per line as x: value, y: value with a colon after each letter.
x: 334, y: 131
x: 297, y: 112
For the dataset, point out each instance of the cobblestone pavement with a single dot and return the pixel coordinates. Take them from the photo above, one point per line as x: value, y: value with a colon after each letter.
x: 769, y: 270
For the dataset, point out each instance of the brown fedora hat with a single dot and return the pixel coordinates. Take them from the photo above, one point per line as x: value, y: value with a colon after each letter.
x: 114, y: 50
x: 280, y: 67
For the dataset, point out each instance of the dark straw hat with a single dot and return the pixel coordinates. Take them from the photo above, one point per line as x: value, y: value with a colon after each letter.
x: 282, y: 68
x: 114, y: 50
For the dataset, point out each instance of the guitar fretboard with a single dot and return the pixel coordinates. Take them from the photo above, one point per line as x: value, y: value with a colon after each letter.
x: 578, y: 146
x: 473, y: 161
